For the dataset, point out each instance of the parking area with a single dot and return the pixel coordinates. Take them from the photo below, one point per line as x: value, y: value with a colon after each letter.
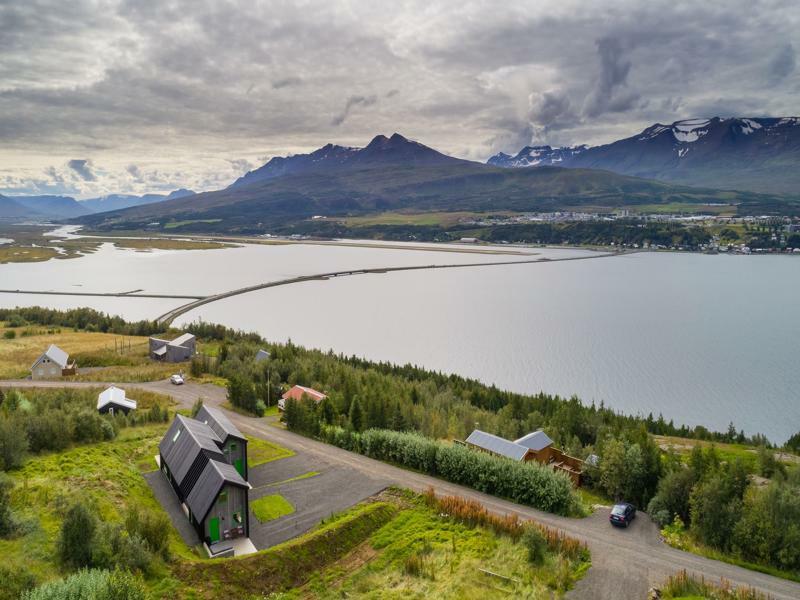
x: 334, y: 489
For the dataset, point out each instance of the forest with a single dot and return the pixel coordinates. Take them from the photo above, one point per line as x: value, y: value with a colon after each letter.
x: 399, y: 412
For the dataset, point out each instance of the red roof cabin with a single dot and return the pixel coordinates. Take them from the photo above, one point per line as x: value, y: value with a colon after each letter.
x: 297, y: 393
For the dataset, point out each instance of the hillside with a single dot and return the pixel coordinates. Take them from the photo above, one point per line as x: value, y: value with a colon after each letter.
x: 395, y: 174
x: 751, y: 154
x: 53, y: 206
x: 10, y: 209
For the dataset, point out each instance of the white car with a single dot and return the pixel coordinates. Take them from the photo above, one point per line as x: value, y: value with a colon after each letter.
x: 176, y: 379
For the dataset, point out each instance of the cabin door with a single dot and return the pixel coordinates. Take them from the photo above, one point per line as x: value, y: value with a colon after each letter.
x: 213, y: 529
x: 239, y: 466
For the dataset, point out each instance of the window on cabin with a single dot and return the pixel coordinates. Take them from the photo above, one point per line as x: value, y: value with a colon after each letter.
x: 237, y: 517
x: 233, y: 447
x: 223, y: 497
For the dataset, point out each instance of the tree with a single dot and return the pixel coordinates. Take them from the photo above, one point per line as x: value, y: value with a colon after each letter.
x: 76, y: 540
x: 356, y: 415
x: 326, y: 411
x: 613, y: 468
x: 13, y: 441
x: 793, y: 443
x: 714, y: 510
x: 7, y: 523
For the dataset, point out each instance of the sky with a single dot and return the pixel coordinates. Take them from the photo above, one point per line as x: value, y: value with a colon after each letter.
x: 139, y: 96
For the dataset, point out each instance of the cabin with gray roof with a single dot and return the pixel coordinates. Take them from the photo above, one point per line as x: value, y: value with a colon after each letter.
x: 53, y: 362
x: 193, y: 457
x: 234, y: 443
x: 180, y: 349
x: 262, y: 355
x: 114, y: 401
x: 535, y: 446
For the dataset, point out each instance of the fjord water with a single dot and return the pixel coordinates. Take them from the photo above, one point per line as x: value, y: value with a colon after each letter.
x: 702, y: 339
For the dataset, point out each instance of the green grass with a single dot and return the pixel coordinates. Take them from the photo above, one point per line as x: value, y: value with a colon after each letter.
x: 308, y: 475
x: 269, y: 508
x: 420, y: 554
x: 176, y: 224
x: 107, y: 474
x: 683, y: 540
x: 260, y: 452
x: 286, y: 565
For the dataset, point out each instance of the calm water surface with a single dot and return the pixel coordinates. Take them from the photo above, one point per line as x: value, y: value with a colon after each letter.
x: 701, y: 339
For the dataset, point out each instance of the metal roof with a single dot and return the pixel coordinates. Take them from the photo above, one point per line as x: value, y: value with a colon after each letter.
x: 536, y: 440
x: 219, y: 423
x: 181, y: 340
x: 160, y: 350
x: 185, y: 440
x: 56, y: 354
x: 114, y: 395
x: 496, y: 444
x: 215, y: 474
x: 262, y: 355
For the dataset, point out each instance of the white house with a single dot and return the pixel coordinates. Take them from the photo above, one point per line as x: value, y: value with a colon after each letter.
x: 113, y: 401
x: 54, y: 362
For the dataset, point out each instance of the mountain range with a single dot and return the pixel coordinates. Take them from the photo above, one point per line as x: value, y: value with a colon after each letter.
x: 752, y: 154
x: 50, y: 207
x: 398, y: 174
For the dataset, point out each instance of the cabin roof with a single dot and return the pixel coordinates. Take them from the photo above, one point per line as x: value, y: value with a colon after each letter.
x: 185, y: 439
x: 182, y: 340
x: 114, y: 395
x: 56, y: 354
x: 219, y: 423
x: 497, y: 445
x: 536, y: 440
x: 214, y: 476
x: 298, y: 391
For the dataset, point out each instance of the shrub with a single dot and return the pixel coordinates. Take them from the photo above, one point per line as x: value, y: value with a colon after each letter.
x: 13, y: 441
x: 153, y: 528
x: 535, y: 544
x: 684, y: 585
x: 91, y: 585
x: 7, y: 523
x: 9, y: 334
x: 77, y: 536
x: 526, y: 483
x: 15, y: 580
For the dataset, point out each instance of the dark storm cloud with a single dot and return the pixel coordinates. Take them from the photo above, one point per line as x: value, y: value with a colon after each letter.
x: 609, y: 94
x: 782, y: 64
x: 83, y: 168
x: 185, y: 89
x: 352, y: 102
x: 286, y: 82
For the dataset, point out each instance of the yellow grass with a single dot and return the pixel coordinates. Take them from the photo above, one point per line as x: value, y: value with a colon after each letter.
x: 17, y: 355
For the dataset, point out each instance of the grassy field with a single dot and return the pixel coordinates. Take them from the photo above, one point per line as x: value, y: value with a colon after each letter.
x: 260, y: 452
x: 108, y: 475
x: 421, y: 553
x: 680, y: 538
x: 727, y: 452
x: 268, y: 508
x: 176, y: 224
x: 17, y: 355
x: 445, y: 219
x: 31, y: 244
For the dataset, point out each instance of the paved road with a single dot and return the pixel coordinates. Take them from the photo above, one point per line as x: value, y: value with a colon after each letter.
x: 173, y: 314
x: 625, y: 563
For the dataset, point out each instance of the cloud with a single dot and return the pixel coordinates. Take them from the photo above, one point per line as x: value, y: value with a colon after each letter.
x: 782, y: 64
x: 135, y: 172
x: 241, y: 165
x: 351, y: 103
x: 180, y: 89
x: 614, y: 69
x: 83, y: 167
x: 283, y: 82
